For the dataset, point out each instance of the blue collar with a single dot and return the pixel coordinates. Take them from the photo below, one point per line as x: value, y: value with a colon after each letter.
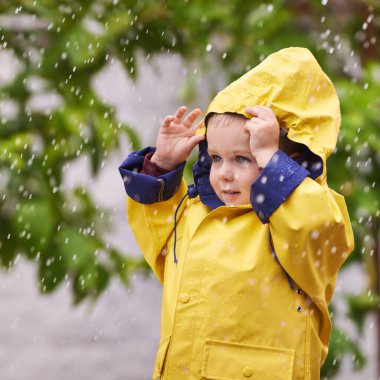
x: 201, y: 173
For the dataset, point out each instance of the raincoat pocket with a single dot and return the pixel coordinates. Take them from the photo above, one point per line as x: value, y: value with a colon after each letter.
x: 160, y: 357
x: 233, y: 361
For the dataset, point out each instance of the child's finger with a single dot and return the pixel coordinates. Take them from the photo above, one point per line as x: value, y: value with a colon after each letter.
x: 253, y: 123
x: 260, y: 111
x: 268, y: 111
x: 250, y: 128
x: 179, y: 113
x: 194, y: 140
x: 199, y: 125
x: 251, y: 110
x: 257, y: 111
x: 254, y: 120
x: 190, y: 118
x: 167, y: 121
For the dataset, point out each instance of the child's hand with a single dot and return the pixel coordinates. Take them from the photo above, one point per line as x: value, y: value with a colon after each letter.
x: 264, y: 133
x: 176, y: 139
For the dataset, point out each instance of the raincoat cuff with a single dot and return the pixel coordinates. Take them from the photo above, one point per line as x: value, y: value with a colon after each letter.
x: 275, y: 183
x: 144, y: 188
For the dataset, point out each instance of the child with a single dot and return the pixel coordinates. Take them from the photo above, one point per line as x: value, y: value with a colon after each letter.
x: 249, y: 262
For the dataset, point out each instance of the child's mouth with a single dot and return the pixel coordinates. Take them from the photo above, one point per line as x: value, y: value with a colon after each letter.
x: 230, y: 193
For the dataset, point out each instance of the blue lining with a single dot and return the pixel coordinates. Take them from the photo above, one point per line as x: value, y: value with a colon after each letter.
x: 201, y: 173
x: 144, y: 188
x: 311, y: 162
x: 275, y: 183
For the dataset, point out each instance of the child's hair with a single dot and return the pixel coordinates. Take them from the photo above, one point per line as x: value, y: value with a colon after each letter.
x: 224, y: 119
x: 290, y: 147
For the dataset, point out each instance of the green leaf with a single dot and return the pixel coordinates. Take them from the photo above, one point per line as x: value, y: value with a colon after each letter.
x: 125, y: 266
x: 132, y: 136
x: 359, y: 306
x: 85, y: 46
x: 13, y: 150
x: 341, y: 345
x: 8, y: 250
x: 53, y: 269
x: 90, y: 282
x: 32, y: 223
x: 77, y: 250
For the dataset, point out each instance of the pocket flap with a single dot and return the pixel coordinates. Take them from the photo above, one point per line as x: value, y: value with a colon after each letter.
x: 233, y: 361
x: 163, y: 346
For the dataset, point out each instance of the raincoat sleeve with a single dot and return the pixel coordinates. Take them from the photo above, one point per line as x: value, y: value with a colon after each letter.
x: 151, y: 202
x: 309, y: 224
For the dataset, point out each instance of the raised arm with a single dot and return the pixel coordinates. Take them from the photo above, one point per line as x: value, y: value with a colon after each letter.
x: 152, y: 200
x: 309, y: 226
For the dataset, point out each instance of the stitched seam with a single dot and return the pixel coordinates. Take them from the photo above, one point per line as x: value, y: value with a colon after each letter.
x: 307, y: 344
x: 162, y: 186
x: 153, y: 231
x: 151, y: 225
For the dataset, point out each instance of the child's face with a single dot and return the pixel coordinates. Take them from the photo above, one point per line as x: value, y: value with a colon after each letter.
x: 233, y: 168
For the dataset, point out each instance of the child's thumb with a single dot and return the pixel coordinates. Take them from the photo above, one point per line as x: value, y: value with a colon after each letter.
x: 194, y: 140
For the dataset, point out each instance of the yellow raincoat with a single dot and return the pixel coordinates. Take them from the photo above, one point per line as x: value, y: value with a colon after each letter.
x: 248, y: 296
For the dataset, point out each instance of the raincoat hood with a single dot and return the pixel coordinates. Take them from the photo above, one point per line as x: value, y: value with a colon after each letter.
x: 303, y: 98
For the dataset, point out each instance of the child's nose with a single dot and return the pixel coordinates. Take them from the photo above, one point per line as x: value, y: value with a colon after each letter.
x: 226, y: 173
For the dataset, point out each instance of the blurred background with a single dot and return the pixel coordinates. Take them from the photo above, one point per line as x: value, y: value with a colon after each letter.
x: 85, y: 82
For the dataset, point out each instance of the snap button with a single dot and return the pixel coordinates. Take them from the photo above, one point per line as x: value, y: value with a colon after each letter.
x: 184, y: 298
x: 247, y: 372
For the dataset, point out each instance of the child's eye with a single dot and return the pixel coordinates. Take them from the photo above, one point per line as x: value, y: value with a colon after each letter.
x: 242, y: 159
x: 215, y: 158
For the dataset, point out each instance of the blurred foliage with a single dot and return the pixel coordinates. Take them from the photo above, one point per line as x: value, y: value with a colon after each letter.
x: 359, y: 305
x: 341, y: 345
x: 61, y: 229
x: 58, y: 47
